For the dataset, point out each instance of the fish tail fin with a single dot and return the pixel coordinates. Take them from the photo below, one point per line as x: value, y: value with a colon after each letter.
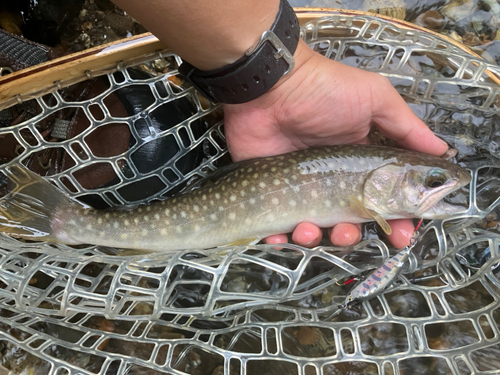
x: 28, y: 209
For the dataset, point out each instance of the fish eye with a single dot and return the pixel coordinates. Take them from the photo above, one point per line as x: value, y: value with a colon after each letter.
x: 350, y: 298
x: 436, y: 178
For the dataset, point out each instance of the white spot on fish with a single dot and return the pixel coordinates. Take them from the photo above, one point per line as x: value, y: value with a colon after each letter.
x: 144, y: 233
x: 196, y: 208
x: 273, y: 169
x: 244, y: 183
x: 124, y: 236
x: 146, y: 218
x: 157, y: 217
x: 276, y: 181
x: 217, y: 195
x: 252, y: 188
x: 197, y: 227
x: 250, y: 170
x: 213, y: 217
x: 342, y: 184
x: 296, y: 189
x: 116, y: 225
x: 148, y: 208
x: 204, y: 197
x: 252, y: 201
x: 136, y: 220
x: 292, y: 203
x: 234, y: 184
x: 126, y: 222
x: 102, y: 234
x: 275, y: 201
x: 242, y: 193
x: 262, y: 184
x: 248, y: 221
x: 167, y: 212
x: 183, y: 214
x: 212, y: 202
x: 328, y: 182
x: 233, y: 198
x: 99, y: 221
x: 328, y: 203
x: 140, y: 209
x: 72, y: 222
x: 163, y: 232
x: 107, y: 216
x: 232, y: 216
x: 342, y: 203
x: 255, y: 175
x: 314, y: 194
x: 221, y: 208
x: 88, y: 227
x: 178, y: 229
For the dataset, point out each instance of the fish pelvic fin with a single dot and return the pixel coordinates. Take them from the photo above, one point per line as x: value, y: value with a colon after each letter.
x: 243, y: 242
x: 366, y: 213
x: 29, y: 208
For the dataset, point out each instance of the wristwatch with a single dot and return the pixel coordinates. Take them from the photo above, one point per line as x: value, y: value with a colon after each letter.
x: 256, y: 72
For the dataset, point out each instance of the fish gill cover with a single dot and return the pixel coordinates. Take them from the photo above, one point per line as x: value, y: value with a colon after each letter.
x: 243, y: 310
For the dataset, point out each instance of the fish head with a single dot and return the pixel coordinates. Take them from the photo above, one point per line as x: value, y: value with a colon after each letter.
x: 414, y: 188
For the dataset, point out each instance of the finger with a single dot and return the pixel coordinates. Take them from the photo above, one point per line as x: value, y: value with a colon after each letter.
x: 402, y: 230
x: 307, y: 235
x: 276, y: 238
x: 345, y: 234
x: 397, y: 121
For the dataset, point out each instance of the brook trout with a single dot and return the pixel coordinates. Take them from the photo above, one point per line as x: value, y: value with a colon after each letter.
x: 251, y: 200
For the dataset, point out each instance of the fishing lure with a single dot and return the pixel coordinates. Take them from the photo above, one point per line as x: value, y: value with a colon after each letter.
x: 382, y: 277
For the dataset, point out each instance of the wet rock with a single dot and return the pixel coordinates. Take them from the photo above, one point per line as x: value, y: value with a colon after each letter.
x: 391, y: 8
x: 470, y: 39
x: 457, y: 10
x: 432, y: 20
x: 121, y: 24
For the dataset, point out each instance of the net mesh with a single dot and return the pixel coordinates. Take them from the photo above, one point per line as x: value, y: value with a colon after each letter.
x: 256, y: 309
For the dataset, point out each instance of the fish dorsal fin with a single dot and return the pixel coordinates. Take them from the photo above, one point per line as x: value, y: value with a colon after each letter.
x: 364, y: 212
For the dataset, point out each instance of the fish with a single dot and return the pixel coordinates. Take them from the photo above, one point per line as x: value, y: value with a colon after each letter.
x: 378, y: 281
x: 246, y: 201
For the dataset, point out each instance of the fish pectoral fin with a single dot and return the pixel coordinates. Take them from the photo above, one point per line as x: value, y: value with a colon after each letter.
x: 366, y: 213
x: 244, y: 242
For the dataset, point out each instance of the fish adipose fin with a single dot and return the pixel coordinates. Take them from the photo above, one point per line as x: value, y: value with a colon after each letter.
x: 27, y: 211
x: 362, y: 211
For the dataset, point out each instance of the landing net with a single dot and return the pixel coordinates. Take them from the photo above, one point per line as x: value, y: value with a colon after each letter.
x: 255, y: 309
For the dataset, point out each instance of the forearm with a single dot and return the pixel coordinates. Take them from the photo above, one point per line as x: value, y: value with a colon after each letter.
x: 207, y: 34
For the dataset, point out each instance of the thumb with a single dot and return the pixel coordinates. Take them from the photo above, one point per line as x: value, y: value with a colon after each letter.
x: 389, y: 111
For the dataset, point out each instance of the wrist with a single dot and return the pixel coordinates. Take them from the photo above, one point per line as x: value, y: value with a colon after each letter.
x: 255, y: 73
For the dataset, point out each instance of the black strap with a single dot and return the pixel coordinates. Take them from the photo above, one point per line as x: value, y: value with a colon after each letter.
x: 256, y: 73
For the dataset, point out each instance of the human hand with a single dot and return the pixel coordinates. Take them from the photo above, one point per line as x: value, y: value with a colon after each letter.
x: 324, y: 102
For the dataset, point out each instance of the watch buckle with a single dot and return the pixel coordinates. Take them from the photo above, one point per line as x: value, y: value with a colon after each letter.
x: 281, y: 50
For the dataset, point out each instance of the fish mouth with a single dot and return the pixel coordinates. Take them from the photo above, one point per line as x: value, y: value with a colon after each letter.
x: 441, y: 208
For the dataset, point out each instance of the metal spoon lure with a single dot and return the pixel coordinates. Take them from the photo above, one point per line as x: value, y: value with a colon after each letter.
x: 382, y: 277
